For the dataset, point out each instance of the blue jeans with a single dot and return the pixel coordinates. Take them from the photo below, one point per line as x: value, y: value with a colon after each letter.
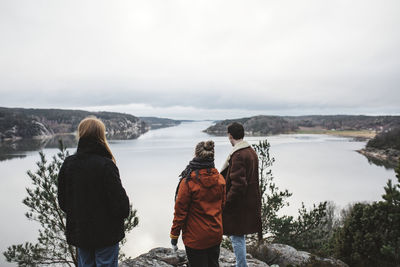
x: 239, y: 247
x: 99, y: 257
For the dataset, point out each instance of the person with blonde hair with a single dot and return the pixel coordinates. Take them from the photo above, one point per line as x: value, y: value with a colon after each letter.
x: 199, y: 200
x: 91, y: 194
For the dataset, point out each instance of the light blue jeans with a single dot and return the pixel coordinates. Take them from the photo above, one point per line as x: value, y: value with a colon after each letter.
x: 100, y: 257
x: 239, y: 247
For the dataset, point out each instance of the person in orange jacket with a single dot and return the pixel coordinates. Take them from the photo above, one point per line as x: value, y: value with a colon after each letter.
x: 199, y: 200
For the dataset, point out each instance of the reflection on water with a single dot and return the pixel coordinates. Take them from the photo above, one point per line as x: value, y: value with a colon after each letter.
x: 18, y: 148
x: 384, y: 163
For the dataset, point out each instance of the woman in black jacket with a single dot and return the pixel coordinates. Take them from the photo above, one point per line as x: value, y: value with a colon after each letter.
x: 91, y: 194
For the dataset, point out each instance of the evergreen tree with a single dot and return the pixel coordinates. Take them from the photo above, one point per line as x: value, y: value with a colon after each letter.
x: 51, y: 247
x: 386, y: 139
x: 370, y: 235
x: 272, y: 199
x: 310, y: 230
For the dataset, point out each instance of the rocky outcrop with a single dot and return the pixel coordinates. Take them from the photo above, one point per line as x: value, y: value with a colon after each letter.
x: 388, y: 157
x: 17, y: 123
x: 384, y: 148
x: 165, y: 257
x: 274, y: 255
x: 125, y: 128
x: 285, y: 256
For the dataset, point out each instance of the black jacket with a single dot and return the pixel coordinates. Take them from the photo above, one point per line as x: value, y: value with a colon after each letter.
x: 91, y: 194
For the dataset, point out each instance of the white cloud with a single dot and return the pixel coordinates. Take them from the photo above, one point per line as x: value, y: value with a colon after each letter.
x: 248, y: 56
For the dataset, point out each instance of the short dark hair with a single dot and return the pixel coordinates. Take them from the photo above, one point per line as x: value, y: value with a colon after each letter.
x: 236, y: 130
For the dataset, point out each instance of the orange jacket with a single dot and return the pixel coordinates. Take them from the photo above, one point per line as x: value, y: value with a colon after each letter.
x: 198, y: 209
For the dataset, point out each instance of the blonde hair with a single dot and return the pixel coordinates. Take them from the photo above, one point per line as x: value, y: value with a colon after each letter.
x: 94, y: 128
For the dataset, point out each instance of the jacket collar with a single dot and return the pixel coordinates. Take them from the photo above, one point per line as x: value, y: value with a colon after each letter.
x: 89, y: 145
x: 241, y: 145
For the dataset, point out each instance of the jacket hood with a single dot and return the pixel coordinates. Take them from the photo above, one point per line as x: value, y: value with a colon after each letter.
x: 92, y: 146
x: 207, y: 177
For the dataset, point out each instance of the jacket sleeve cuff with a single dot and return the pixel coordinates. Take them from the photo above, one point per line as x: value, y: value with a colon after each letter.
x: 174, y: 236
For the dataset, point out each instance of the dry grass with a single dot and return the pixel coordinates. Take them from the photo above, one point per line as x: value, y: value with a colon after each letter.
x: 346, y: 133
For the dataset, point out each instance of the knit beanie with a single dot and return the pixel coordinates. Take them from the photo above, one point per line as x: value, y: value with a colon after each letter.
x: 205, y: 150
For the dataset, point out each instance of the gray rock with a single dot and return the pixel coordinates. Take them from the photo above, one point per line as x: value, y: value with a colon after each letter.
x: 160, y: 257
x: 227, y: 259
x: 284, y: 255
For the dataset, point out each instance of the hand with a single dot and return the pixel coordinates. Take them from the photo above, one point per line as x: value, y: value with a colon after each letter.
x: 174, y: 243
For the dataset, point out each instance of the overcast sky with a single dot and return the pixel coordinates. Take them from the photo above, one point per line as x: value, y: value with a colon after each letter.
x: 205, y: 59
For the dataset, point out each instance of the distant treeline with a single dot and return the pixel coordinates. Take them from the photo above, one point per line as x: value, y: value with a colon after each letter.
x: 269, y: 125
x: 386, y: 139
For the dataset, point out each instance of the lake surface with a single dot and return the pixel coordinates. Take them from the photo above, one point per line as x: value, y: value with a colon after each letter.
x: 313, y: 167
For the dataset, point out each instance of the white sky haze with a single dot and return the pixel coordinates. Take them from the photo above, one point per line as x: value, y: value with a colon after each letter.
x: 202, y: 59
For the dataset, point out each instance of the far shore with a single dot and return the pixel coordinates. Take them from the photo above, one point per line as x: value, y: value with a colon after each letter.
x: 358, y: 134
x: 39, y: 137
x: 386, y: 157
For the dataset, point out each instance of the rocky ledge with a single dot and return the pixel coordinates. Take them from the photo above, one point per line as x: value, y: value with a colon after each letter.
x: 284, y: 256
x: 387, y: 157
x: 274, y: 255
x: 165, y: 257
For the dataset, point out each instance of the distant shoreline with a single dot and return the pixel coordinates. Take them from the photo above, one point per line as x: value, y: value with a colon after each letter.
x: 356, y: 126
x: 361, y: 135
x: 356, y: 134
x: 386, y: 157
x: 38, y: 137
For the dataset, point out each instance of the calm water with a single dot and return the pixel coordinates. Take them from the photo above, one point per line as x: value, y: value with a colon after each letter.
x: 313, y: 167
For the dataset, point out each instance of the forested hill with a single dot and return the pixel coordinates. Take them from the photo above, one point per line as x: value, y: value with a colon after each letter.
x: 268, y: 125
x: 386, y: 139
x: 28, y: 123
